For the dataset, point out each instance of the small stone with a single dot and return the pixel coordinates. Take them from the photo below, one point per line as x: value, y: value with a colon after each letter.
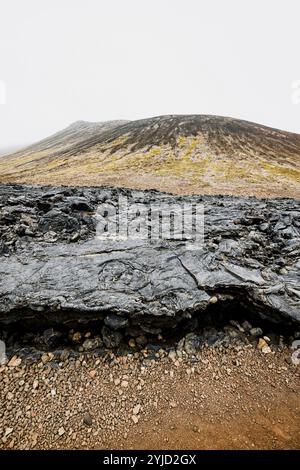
x: 50, y: 338
x: 136, y: 409
x: 8, y: 431
x: 266, y: 350
x: 192, y: 343
x: 264, y: 226
x: 237, y: 325
x: 35, y: 384
x: 90, y: 344
x: 256, y: 332
x: 64, y: 355
x: 117, y: 382
x: 45, y: 358
x: 10, y: 396
x: 132, y: 343
x: 172, y: 355
x: 173, y: 404
x: 236, y: 362
x: 87, y: 419
x: 92, y: 373
x: 213, y: 300
x: 75, y: 237
x: 76, y: 337
x: 111, y: 338
x: 15, y: 361
x: 61, y: 431
x: 247, y: 326
x: 283, y: 271
x: 34, y: 438
x: 124, y: 384
x: 135, y: 419
x: 261, y: 344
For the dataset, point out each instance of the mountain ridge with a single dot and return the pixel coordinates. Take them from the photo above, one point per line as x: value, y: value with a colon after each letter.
x: 175, y: 153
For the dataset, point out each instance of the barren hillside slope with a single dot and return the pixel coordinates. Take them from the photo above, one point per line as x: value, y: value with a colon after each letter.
x: 177, y: 153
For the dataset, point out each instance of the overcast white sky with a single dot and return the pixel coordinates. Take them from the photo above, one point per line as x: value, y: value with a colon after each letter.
x: 65, y: 60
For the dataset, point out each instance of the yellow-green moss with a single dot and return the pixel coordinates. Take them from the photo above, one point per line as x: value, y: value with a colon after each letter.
x: 277, y: 170
x: 190, y: 148
x: 181, y: 141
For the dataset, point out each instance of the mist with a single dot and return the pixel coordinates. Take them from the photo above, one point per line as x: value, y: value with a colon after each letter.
x: 69, y: 60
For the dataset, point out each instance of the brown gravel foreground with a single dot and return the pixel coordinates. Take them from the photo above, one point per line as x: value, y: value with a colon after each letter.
x: 234, y: 399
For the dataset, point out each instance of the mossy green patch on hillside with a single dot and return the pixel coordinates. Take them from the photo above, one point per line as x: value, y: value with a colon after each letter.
x: 282, y: 171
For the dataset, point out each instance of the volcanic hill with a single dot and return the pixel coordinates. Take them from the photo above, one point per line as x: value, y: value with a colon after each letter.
x: 181, y: 154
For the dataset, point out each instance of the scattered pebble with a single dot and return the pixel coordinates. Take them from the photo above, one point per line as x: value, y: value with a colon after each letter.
x: 136, y: 409
x: 261, y: 344
x: 35, y: 384
x: 256, y: 332
x: 87, y: 419
x: 44, y: 403
x: 15, y: 362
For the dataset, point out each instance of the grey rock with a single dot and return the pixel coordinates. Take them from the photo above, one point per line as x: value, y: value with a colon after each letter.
x: 3, y: 248
x: 115, y: 322
x: 192, y: 343
x: 247, y: 326
x: 232, y: 332
x: 79, y: 204
x: 222, y: 339
x: 87, y: 419
x: 90, y: 344
x: 152, y: 283
x: 49, y: 339
x: 256, y: 332
x: 32, y: 357
x: 57, y: 221
x: 64, y: 355
x: 111, y: 338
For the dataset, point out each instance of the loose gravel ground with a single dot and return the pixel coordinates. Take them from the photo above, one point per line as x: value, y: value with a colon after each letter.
x: 232, y: 398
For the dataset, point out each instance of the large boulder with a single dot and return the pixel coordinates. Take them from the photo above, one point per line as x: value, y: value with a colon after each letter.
x: 250, y: 255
